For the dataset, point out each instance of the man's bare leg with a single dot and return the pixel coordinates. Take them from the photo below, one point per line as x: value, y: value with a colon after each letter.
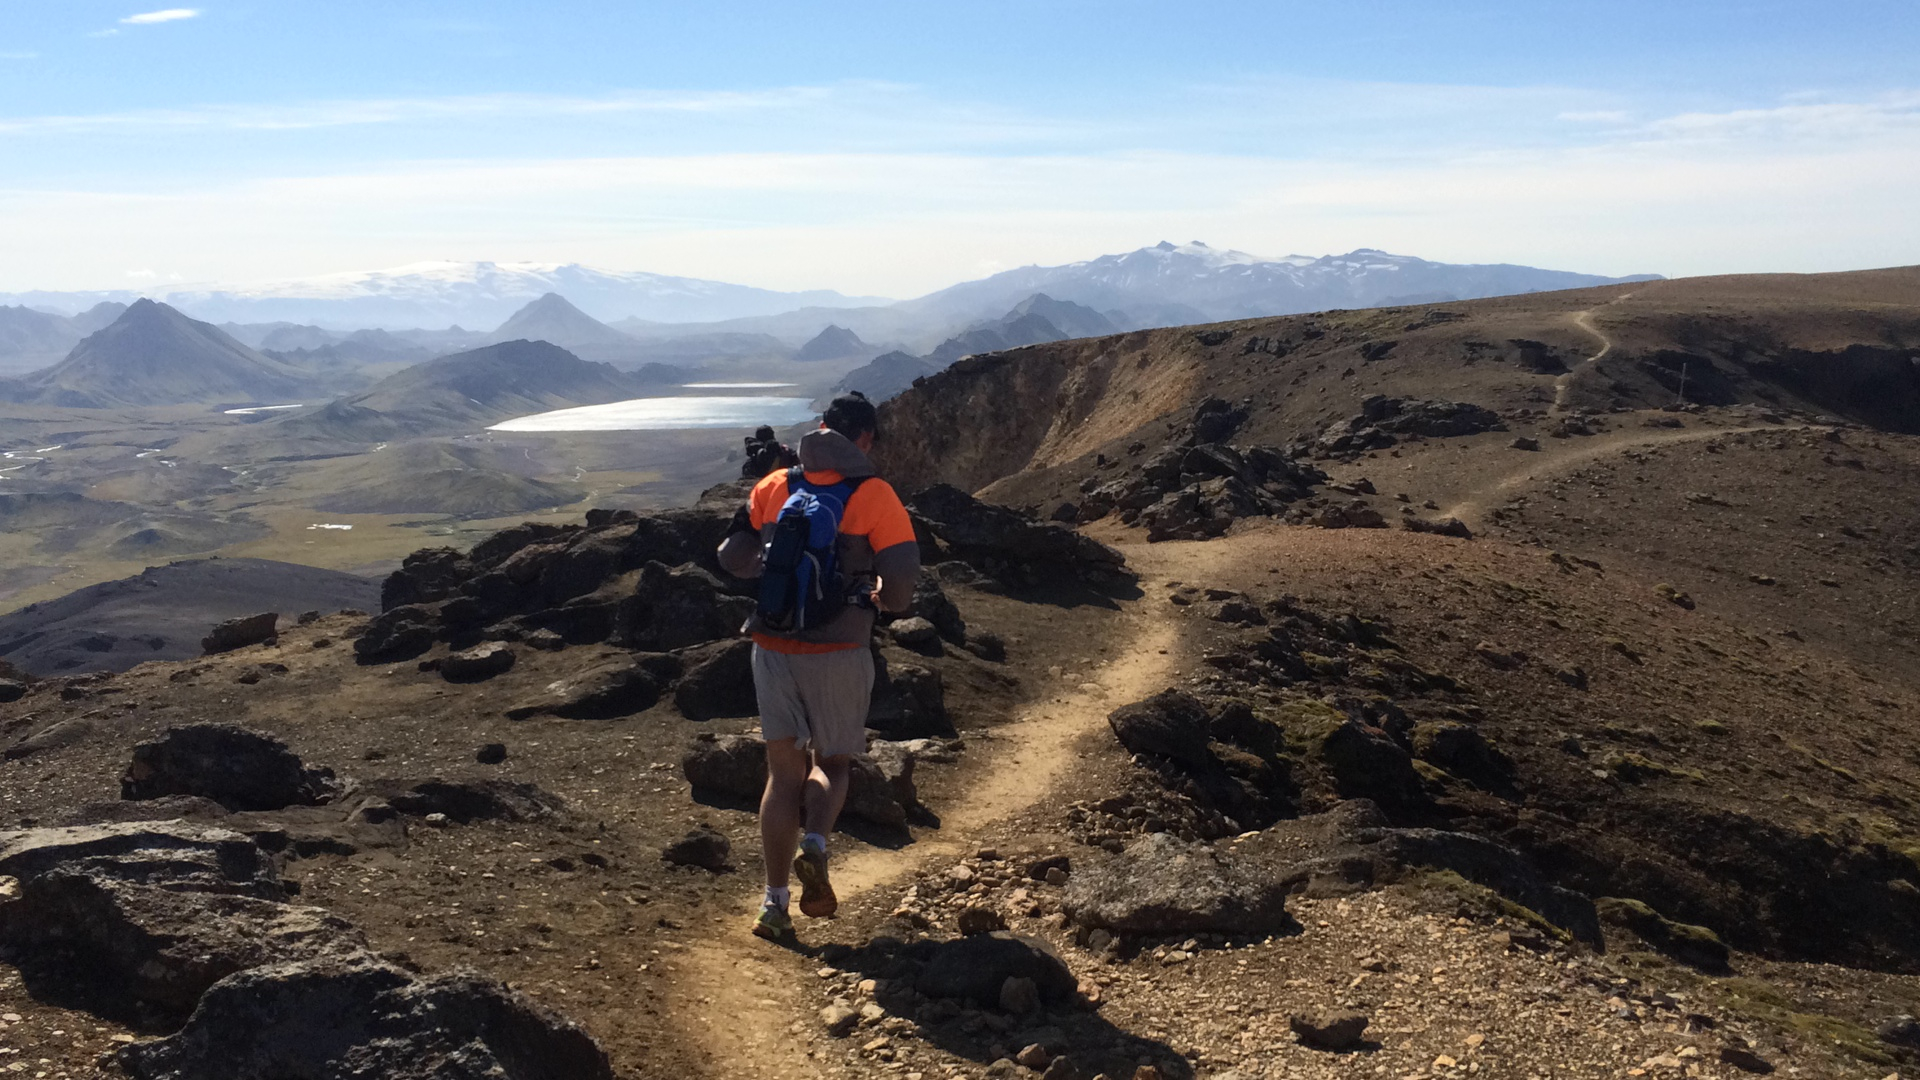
x: 826, y: 793
x: 781, y: 807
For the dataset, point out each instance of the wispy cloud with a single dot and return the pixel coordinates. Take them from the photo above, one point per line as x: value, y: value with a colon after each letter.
x: 167, y: 15
x: 344, y: 113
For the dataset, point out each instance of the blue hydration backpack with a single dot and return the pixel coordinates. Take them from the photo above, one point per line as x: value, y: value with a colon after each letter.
x: 800, y: 586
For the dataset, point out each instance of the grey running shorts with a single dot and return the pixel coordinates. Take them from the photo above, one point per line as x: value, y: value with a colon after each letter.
x: 817, y: 699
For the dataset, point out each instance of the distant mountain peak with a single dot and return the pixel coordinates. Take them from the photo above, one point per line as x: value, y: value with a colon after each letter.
x: 832, y: 343
x: 553, y: 318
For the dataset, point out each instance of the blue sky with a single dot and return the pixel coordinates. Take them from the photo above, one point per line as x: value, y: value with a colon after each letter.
x: 895, y: 148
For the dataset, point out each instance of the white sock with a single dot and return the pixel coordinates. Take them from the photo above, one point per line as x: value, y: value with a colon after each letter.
x: 816, y: 840
x: 777, y: 898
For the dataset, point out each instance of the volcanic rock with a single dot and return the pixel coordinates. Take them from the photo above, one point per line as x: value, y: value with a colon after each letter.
x: 335, y: 1017
x: 976, y: 968
x: 701, y: 847
x: 237, y: 768
x: 239, y: 633
x: 1330, y: 1031
x: 718, y: 682
x: 478, y: 663
x: 1164, y: 885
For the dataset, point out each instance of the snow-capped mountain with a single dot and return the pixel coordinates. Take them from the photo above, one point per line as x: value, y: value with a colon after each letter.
x: 1168, y: 284
x: 470, y: 294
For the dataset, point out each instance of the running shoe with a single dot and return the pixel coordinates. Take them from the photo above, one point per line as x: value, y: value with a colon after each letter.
x: 773, y: 924
x: 816, y: 892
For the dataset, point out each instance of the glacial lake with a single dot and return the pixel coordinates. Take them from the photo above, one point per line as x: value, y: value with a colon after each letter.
x: 668, y: 414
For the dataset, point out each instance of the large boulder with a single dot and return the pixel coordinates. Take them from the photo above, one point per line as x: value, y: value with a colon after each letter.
x: 479, y: 663
x: 1164, y: 885
x: 237, y: 768
x: 718, y: 682
x: 909, y: 702
x: 361, y: 1017
x: 1009, y: 544
x: 118, y: 944
x: 976, y: 967
x: 1171, y: 724
x: 675, y: 607
x: 239, y: 633
x: 605, y: 691
x: 930, y: 602
x: 400, y: 633
x: 148, y: 915
x: 173, y: 854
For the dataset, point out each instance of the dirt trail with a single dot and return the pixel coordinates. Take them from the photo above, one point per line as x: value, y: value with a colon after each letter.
x: 1584, y: 320
x: 740, y: 999
x: 1586, y: 450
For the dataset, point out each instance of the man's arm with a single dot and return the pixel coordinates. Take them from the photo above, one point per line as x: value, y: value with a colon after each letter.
x: 898, y: 568
x: 740, y: 552
x: 896, y: 550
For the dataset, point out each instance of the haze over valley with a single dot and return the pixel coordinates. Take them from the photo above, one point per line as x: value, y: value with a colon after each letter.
x: 159, y: 433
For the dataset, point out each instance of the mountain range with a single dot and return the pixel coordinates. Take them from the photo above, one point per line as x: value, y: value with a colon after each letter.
x: 1037, y: 320
x: 1162, y: 285
x: 469, y: 293
x: 153, y: 355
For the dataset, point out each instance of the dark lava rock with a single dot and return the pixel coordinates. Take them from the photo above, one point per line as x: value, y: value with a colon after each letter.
x: 12, y: 690
x: 909, y: 702
x: 931, y: 603
x: 239, y: 633
x: 1215, y: 421
x: 1164, y: 885
x: 117, y: 943
x: 360, y: 1017
x: 398, y: 634
x: 1330, y: 1031
x: 1007, y: 544
x: 605, y: 691
x: 171, y: 854
x: 718, y: 682
x: 1439, y: 526
x: 915, y: 633
x: 975, y: 968
x: 1172, y: 724
x: 1364, y: 763
x: 703, y: 848
x: 492, y: 753
x: 732, y: 765
x: 479, y: 663
x: 237, y: 768
x: 987, y: 645
x: 466, y: 801
x: 1463, y: 751
x: 147, y: 916
x: 1353, y: 847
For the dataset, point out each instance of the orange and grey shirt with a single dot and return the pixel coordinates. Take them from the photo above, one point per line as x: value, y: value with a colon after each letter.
x: 876, y: 542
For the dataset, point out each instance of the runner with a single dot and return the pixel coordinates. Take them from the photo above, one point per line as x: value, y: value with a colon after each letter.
x: 812, y: 657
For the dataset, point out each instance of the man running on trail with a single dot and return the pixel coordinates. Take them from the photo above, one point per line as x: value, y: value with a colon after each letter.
x: 814, y: 681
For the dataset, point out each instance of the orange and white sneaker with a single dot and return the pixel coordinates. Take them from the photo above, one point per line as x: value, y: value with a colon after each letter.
x: 816, y: 892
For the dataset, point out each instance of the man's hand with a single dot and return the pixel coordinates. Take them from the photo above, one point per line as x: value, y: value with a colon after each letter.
x: 875, y: 595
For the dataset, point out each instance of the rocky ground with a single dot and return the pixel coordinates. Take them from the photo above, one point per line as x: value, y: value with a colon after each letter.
x: 1615, y: 778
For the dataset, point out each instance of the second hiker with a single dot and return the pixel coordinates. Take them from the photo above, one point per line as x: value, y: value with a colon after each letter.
x: 830, y: 543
